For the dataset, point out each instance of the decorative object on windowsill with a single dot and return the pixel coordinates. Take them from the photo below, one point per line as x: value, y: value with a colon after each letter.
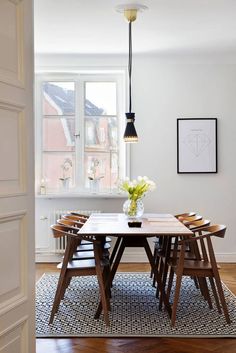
x: 94, y: 176
x: 66, y: 167
x: 136, y: 189
x: 130, y: 13
x: 43, y: 187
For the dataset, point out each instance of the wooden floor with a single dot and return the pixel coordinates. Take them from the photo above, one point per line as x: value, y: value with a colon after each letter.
x: 136, y: 345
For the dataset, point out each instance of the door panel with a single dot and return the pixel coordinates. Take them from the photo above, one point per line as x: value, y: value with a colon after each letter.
x: 16, y: 178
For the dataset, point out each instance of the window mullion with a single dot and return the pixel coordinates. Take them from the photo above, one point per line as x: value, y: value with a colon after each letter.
x: 80, y: 132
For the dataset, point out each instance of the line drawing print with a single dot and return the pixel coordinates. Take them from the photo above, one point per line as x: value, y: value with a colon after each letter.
x: 197, y: 143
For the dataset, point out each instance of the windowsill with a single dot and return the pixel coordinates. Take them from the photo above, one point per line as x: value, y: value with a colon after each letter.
x: 91, y: 195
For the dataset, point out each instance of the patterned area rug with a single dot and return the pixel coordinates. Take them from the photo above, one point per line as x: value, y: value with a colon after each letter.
x: 134, y: 310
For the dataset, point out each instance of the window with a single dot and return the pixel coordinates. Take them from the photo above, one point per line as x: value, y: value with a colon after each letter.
x: 80, y: 118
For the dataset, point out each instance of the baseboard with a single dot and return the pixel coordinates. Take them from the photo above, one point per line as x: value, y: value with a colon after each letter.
x: 220, y: 257
x: 130, y: 256
x: 48, y: 257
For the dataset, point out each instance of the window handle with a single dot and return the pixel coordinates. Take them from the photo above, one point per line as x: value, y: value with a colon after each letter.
x: 77, y: 135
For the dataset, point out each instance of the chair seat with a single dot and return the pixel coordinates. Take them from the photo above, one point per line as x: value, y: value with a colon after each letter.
x: 192, y: 264
x: 89, y: 247
x: 85, y: 247
x: 86, y: 242
x: 79, y: 264
x: 83, y: 255
x: 83, y: 264
x: 188, y: 254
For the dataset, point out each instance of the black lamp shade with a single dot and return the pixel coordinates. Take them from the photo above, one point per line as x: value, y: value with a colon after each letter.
x: 130, y: 134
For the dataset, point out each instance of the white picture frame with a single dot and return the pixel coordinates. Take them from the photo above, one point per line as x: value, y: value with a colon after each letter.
x: 196, y: 145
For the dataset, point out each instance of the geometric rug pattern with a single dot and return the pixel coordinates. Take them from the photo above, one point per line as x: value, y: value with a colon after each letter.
x: 134, y: 310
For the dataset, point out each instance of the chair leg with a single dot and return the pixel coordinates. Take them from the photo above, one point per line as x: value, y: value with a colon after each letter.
x: 176, y: 299
x: 222, y: 297
x: 165, y: 269
x: 104, y: 298
x: 111, y: 275
x: 65, y: 286
x: 62, y: 278
x: 213, y: 287
x: 106, y: 274
x: 157, y: 264
x: 58, y: 297
x: 155, y: 259
x: 195, y: 282
x: 114, y: 251
x: 170, y: 282
x: 203, y: 285
x: 160, y: 268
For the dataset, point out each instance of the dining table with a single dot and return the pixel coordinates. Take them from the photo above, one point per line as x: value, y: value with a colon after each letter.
x: 131, y: 234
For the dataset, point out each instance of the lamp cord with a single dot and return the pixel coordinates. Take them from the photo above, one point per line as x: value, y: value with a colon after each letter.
x: 130, y: 64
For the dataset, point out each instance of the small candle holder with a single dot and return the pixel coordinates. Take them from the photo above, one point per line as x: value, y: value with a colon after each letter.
x: 135, y: 224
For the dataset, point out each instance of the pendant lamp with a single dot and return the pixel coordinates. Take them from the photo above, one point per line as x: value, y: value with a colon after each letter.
x: 130, y: 13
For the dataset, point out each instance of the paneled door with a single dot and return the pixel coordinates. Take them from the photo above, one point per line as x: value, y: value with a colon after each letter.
x: 16, y: 178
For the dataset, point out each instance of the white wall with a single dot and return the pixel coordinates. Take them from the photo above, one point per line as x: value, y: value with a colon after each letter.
x: 165, y: 88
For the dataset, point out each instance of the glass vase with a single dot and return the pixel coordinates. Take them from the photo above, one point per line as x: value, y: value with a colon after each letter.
x: 94, y: 185
x: 133, y: 209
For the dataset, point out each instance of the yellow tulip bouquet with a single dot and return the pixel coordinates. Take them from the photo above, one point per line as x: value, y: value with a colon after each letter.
x: 135, y: 189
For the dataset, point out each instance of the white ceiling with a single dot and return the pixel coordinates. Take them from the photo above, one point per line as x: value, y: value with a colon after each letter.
x: 93, y: 26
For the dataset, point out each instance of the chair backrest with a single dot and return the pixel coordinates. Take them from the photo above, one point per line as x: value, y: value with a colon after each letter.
x: 61, y: 231
x: 198, y: 224
x: 80, y: 215
x: 185, y: 214
x: 65, y: 229
x: 217, y: 230
x: 187, y: 220
x: 74, y: 218
x: 70, y: 223
x: 202, y: 238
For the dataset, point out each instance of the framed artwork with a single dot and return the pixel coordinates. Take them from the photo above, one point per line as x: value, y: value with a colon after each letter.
x: 196, y: 145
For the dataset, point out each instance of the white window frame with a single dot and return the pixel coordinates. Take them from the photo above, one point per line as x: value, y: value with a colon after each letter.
x: 80, y: 77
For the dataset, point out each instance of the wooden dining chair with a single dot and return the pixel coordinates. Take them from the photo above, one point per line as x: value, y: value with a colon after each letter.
x: 72, y: 217
x: 160, y: 244
x: 203, y: 266
x: 190, y: 255
x: 79, y: 214
x: 166, y: 252
x: 69, y: 222
x: 82, y: 245
x: 98, y: 265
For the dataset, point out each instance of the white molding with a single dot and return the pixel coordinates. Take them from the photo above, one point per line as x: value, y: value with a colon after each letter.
x: 12, y: 216
x: 8, y: 105
x: 140, y: 256
x: 13, y: 326
x: 20, y: 43
x: 16, y: 2
x: 48, y: 257
x: 20, y: 110
x: 12, y: 303
x: 128, y: 257
x: 226, y: 257
x: 20, y: 298
x: 7, y: 76
x: 81, y: 195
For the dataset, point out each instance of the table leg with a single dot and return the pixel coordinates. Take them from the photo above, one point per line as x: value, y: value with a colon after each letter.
x: 157, y: 276
x: 112, y: 274
x: 115, y: 249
